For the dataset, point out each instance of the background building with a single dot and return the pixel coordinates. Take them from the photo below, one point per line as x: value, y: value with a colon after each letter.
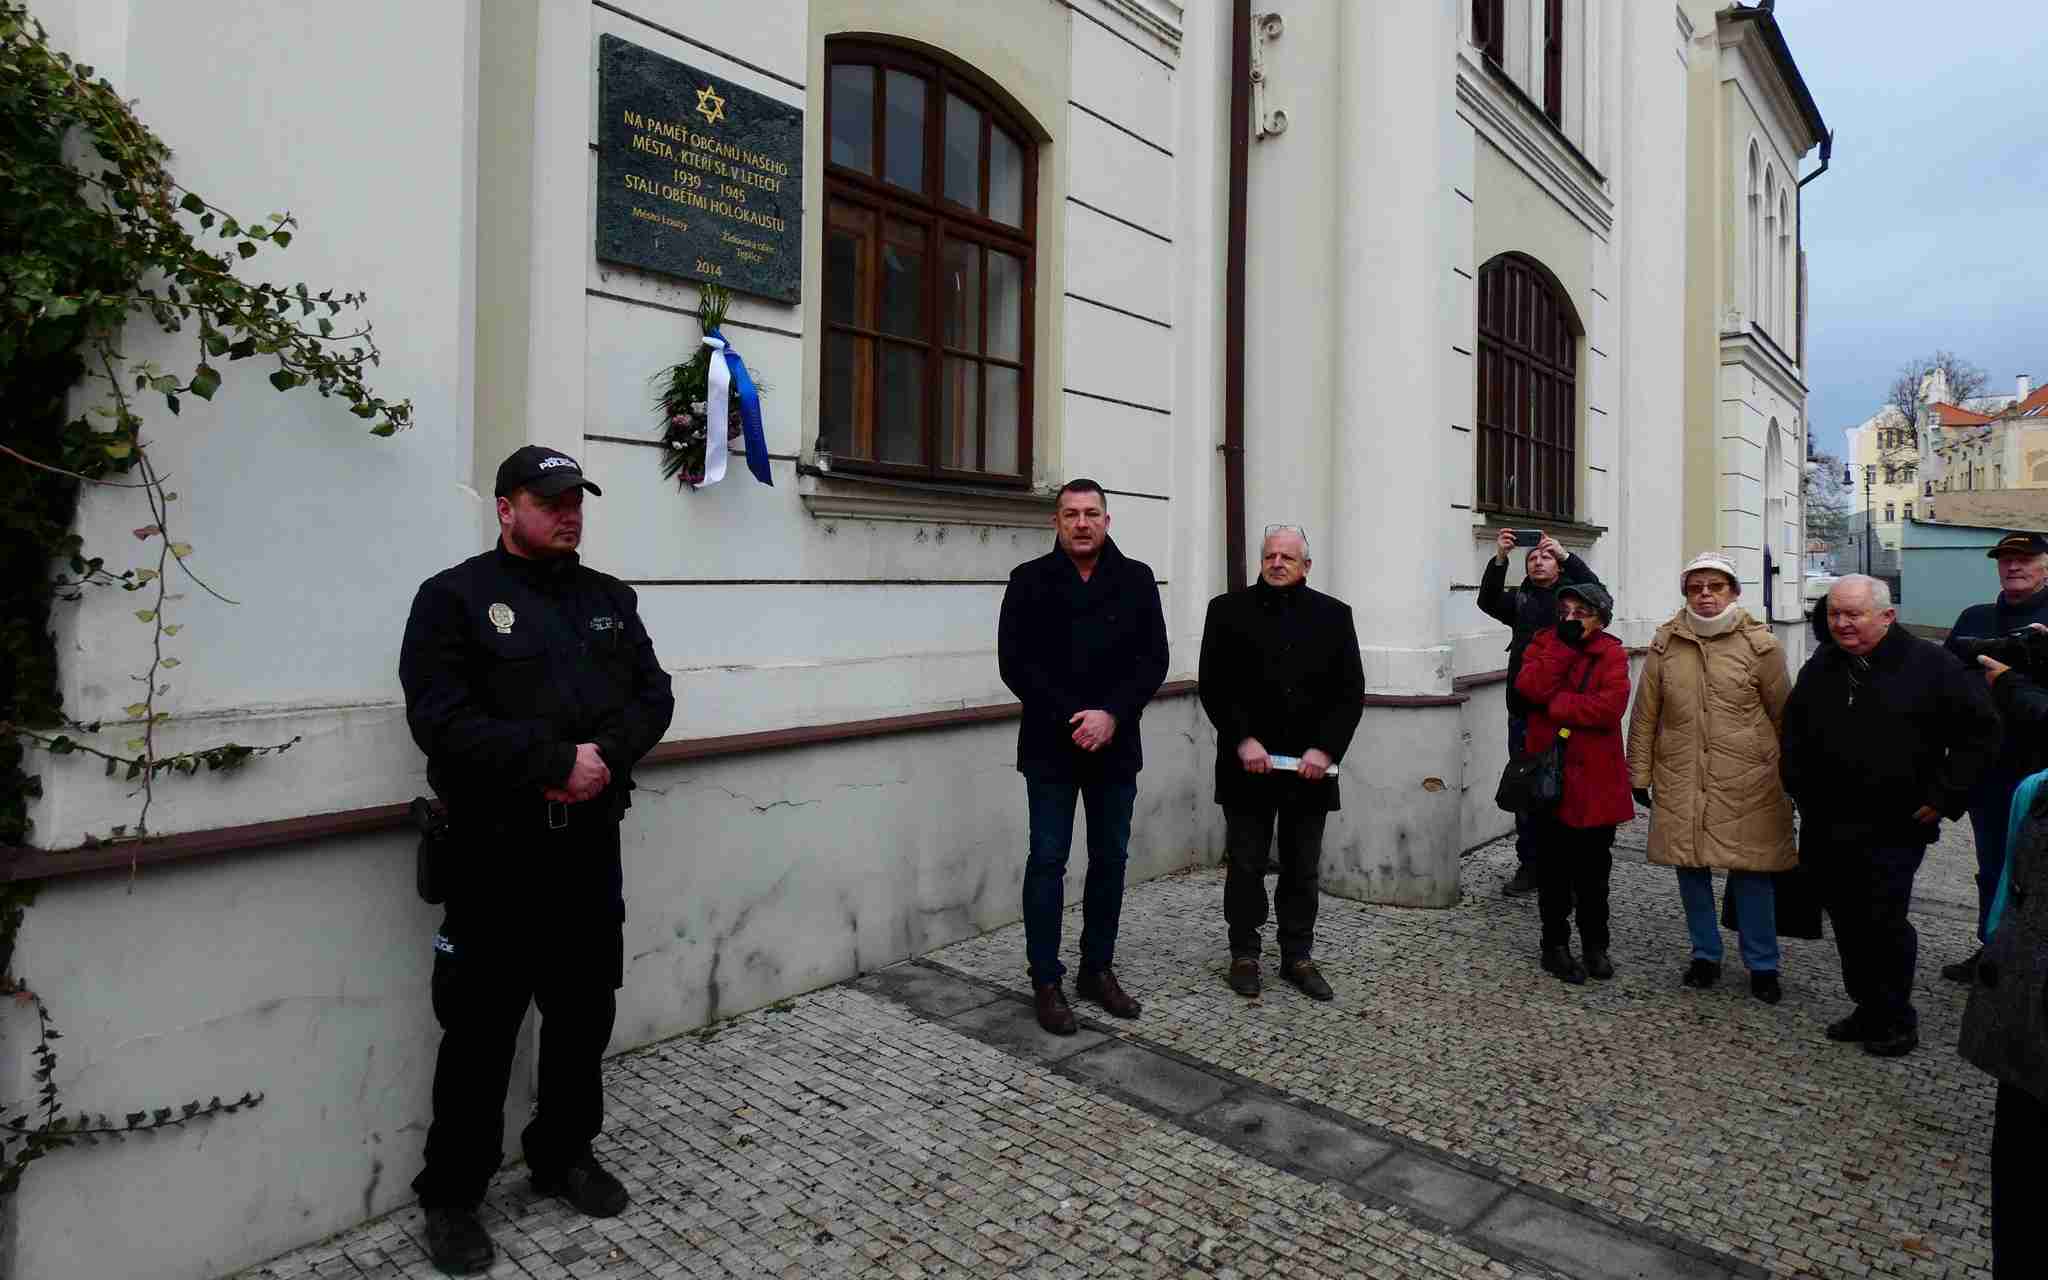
x: 1462, y: 307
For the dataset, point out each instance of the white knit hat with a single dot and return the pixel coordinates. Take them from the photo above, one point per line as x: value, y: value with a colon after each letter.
x: 1711, y: 560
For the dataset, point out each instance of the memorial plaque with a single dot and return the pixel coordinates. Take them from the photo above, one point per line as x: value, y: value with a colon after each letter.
x: 696, y: 176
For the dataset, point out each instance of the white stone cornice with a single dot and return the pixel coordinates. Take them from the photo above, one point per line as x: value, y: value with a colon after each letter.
x: 1743, y: 40
x: 1761, y: 357
x: 1502, y: 119
x: 1151, y: 23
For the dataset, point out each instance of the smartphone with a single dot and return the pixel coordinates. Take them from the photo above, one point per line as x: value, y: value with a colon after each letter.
x: 1527, y: 538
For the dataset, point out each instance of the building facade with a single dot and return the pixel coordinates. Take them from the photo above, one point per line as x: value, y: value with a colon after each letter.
x: 1752, y: 122
x: 1015, y: 265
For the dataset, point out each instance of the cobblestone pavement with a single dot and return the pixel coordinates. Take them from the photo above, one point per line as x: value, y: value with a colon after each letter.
x: 1709, y: 1115
x: 846, y: 1133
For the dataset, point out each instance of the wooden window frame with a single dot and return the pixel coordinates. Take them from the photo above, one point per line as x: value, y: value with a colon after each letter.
x: 942, y: 220
x: 1489, y: 29
x: 1528, y: 359
x: 1553, y: 61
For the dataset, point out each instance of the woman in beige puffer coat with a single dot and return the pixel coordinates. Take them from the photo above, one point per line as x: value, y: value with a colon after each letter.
x: 1703, y: 757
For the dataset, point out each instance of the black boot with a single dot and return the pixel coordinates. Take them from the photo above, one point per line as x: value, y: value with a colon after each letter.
x: 587, y: 1186
x: 1701, y: 974
x: 457, y: 1242
x: 1764, y: 986
x: 1561, y: 961
x: 1965, y: 970
x: 1598, y: 965
x: 1522, y: 884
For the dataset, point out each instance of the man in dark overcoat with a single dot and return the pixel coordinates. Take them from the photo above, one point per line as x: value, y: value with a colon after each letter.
x: 1884, y: 735
x: 2022, y: 602
x: 1082, y: 643
x: 1282, y: 682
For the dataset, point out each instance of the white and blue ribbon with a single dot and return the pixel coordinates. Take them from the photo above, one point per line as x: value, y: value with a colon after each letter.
x: 728, y: 373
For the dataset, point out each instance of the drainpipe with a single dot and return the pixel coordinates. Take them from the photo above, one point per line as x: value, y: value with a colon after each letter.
x: 1827, y: 151
x: 1232, y: 447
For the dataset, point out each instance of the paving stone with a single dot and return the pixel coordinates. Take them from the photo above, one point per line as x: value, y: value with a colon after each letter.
x: 1584, y: 1249
x: 1292, y: 1138
x: 930, y: 992
x: 1013, y: 1026
x: 1158, y: 1079
x: 1444, y: 1192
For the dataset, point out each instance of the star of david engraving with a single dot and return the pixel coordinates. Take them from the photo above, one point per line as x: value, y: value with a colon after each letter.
x: 710, y: 105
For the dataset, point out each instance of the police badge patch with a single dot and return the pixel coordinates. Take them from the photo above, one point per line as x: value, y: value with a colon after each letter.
x: 501, y: 616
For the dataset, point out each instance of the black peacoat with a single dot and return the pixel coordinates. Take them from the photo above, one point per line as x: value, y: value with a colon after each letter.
x: 1066, y: 645
x: 1280, y: 665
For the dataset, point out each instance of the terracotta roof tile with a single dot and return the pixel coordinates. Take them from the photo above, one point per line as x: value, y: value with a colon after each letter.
x: 2034, y: 406
x: 1949, y: 415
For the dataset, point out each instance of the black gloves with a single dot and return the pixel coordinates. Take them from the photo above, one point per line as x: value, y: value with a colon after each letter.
x: 1642, y: 795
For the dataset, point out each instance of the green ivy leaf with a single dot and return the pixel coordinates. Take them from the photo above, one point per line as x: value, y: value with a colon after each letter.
x: 246, y: 249
x: 137, y: 710
x: 181, y: 549
x: 205, y: 381
x: 145, y: 615
x: 173, y: 628
x: 169, y: 662
x: 284, y: 380
x: 192, y: 203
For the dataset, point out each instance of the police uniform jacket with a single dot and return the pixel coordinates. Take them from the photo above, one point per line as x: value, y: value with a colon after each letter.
x: 1280, y: 664
x: 508, y: 664
x: 1066, y: 645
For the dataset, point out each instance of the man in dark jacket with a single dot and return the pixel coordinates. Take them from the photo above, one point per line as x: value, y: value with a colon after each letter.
x: 2022, y: 601
x: 1082, y: 643
x: 1282, y: 683
x: 1884, y: 735
x: 533, y: 688
x: 1527, y: 609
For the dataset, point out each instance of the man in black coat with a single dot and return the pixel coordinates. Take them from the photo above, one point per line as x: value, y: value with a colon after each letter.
x: 533, y: 688
x: 1082, y: 643
x: 2022, y: 602
x: 1527, y: 609
x: 1884, y: 735
x: 1283, y: 685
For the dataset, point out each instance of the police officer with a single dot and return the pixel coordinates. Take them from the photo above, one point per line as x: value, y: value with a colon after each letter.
x: 533, y: 688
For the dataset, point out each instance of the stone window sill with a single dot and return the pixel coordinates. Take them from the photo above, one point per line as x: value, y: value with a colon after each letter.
x: 839, y: 495
x: 1571, y: 534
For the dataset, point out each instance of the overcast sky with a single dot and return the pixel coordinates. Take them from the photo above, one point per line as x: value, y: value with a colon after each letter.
x: 1930, y: 229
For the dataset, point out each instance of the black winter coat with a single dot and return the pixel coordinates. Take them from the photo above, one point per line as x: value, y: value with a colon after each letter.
x: 1282, y: 666
x: 1982, y: 621
x: 1527, y: 609
x: 500, y: 704
x: 1861, y: 756
x: 1066, y: 645
x: 2005, y: 1026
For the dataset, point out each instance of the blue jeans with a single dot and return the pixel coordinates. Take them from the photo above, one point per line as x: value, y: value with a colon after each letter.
x: 1525, y: 832
x: 1988, y: 818
x: 1756, y: 916
x: 1109, y: 806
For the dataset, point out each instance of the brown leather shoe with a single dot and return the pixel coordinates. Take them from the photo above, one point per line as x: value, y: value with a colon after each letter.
x: 1104, y: 990
x: 1303, y: 974
x: 1244, y: 976
x: 1054, y: 1013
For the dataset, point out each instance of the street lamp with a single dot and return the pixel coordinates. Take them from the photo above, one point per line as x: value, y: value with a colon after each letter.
x: 1869, y: 479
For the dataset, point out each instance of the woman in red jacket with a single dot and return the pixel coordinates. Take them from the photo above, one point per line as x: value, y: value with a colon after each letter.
x: 1575, y: 678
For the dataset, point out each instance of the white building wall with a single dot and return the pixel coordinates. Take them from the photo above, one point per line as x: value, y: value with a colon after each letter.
x: 301, y: 972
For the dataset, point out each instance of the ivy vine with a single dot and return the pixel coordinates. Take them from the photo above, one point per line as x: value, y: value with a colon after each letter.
x: 96, y: 233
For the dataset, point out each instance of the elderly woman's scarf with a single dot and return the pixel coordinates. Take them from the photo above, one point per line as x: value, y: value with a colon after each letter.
x: 1720, y: 624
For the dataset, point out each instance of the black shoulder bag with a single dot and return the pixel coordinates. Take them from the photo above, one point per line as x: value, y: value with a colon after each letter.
x: 1533, y: 782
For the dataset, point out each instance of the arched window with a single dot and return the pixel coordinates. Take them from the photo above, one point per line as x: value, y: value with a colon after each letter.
x: 1753, y: 299
x: 1766, y: 303
x: 1788, y: 284
x: 930, y: 258
x: 1528, y: 390
x: 1777, y: 543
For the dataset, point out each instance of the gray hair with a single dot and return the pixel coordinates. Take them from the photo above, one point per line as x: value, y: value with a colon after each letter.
x: 1294, y: 529
x: 1880, y: 591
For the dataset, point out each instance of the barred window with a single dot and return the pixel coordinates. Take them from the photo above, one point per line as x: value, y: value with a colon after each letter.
x: 930, y: 259
x: 1490, y: 28
x: 1528, y: 391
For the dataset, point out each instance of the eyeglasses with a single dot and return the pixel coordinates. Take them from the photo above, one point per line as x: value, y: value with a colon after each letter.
x: 1294, y: 529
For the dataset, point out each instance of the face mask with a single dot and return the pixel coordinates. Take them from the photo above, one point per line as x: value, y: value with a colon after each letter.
x: 1572, y: 631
